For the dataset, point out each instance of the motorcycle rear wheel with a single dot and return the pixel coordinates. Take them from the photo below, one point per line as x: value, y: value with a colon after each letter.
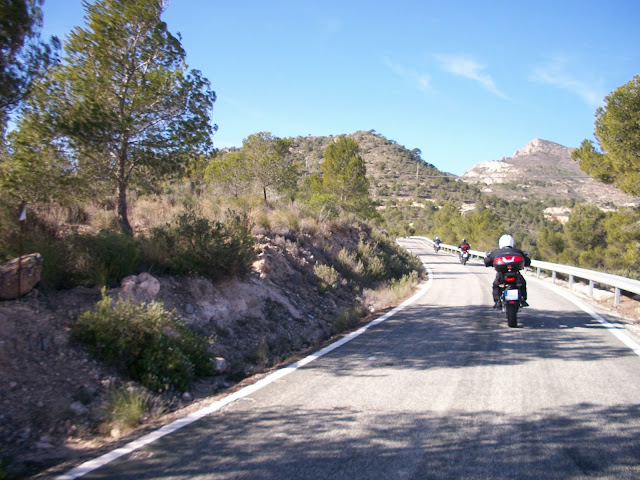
x: 512, y: 315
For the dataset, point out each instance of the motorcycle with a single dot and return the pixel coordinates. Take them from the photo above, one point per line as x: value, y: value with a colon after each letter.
x: 436, y: 247
x: 509, y: 266
x: 464, y: 257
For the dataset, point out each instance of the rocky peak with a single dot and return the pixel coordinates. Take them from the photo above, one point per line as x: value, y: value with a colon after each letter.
x: 542, y: 170
x: 537, y: 146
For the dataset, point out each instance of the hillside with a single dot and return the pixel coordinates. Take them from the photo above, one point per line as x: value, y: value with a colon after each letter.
x: 543, y: 170
x: 394, y: 171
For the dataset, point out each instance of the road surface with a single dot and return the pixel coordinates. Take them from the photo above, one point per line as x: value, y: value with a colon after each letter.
x: 442, y: 389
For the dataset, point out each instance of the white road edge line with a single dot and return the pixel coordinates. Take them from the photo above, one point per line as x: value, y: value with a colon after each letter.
x: 96, y: 463
x: 623, y: 337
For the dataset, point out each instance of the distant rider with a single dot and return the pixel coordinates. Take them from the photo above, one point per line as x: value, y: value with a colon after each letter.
x: 464, y: 247
x: 506, y: 244
x: 436, y: 244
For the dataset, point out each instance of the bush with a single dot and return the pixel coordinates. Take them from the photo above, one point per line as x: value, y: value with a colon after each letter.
x: 350, y: 266
x: 146, y: 342
x: 195, y: 245
x: 284, y: 221
x: 103, y: 259
x: 327, y: 277
x: 125, y: 409
x: 348, y: 319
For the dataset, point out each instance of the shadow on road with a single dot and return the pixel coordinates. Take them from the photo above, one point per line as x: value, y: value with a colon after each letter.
x: 350, y: 444
x: 455, y: 337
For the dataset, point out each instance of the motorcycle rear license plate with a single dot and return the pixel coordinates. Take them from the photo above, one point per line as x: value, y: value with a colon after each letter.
x: 511, y: 295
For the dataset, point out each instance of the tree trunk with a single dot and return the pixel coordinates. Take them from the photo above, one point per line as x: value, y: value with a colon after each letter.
x: 123, y: 218
x: 264, y: 190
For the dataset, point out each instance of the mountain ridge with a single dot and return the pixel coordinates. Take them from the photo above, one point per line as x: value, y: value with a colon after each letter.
x: 540, y: 170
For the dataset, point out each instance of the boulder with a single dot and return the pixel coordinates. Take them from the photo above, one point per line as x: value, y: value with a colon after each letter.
x: 142, y: 288
x: 30, y: 272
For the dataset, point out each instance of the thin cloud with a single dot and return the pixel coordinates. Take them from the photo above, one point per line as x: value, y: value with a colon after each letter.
x: 468, y: 68
x: 422, y: 81
x: 555, y: 74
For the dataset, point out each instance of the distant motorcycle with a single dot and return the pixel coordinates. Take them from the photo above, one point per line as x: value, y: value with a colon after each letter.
x: 436, y: 247
x: 464, y: 257
x: 508, y: 266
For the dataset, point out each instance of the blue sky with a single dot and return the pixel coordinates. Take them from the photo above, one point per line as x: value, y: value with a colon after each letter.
x: 463, y: 81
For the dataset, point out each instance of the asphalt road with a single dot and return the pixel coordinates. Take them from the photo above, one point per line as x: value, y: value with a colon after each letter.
x: 442, y: 389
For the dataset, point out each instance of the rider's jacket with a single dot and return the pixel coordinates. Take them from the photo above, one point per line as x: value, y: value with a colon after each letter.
x: 464, y: 247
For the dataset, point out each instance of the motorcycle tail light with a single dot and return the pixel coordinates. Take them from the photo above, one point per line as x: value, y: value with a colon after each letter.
x: 507, y: 259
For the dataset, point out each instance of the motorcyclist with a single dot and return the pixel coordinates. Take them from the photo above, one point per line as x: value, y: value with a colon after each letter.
x: 464, y: 247
x: 506, y: 247
x: 436, y: 243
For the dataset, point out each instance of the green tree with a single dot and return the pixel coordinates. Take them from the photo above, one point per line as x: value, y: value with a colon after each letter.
x: 623, y: 241
x: 447, y: 222
x: 617, y: 129
x: 122, y: 103
x: 482, y: 229
x: 344, y: 173
x: 270, y: 162
x: 550, y: 242
x: 37, y: 171
x: 585, y: 228
x: 585, y: 237
x: 229, y: 171
x: 22, y: 55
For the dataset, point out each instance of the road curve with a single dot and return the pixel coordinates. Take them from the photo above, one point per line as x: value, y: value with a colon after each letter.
x: 442, y: 389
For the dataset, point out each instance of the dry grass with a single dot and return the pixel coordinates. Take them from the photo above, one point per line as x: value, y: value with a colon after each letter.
x: 389, y: 295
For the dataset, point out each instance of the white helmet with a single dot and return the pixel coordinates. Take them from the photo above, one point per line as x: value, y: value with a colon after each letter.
x: 506, y: 241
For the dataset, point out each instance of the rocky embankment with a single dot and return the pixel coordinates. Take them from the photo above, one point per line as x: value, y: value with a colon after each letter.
x: 53, y: 393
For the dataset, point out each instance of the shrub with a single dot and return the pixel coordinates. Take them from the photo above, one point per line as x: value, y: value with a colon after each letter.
x: 146, y: 342
x: 327, y: 277
x: 348, y: 319
x: 349, y: 264
x: 125, y: 409
x: 262, y: 222
x: 375, y: 267
x: 195, y: 245
x: 284, y: 221
x: 103, y: 259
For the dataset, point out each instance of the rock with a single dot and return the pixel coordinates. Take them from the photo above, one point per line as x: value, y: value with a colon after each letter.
x: 187, y: 397
x: 188, y: 308
x: 30, y: 271
x: 142, y: 288
x: 79, y: 409
x: 84, y: 395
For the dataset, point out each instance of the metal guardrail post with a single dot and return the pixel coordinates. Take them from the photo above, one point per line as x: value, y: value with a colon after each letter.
x: 554, y: 275
x: 617, y: 301
x: 591, y: 288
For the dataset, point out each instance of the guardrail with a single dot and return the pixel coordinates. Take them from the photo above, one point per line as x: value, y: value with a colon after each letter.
x: 619, y: 284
